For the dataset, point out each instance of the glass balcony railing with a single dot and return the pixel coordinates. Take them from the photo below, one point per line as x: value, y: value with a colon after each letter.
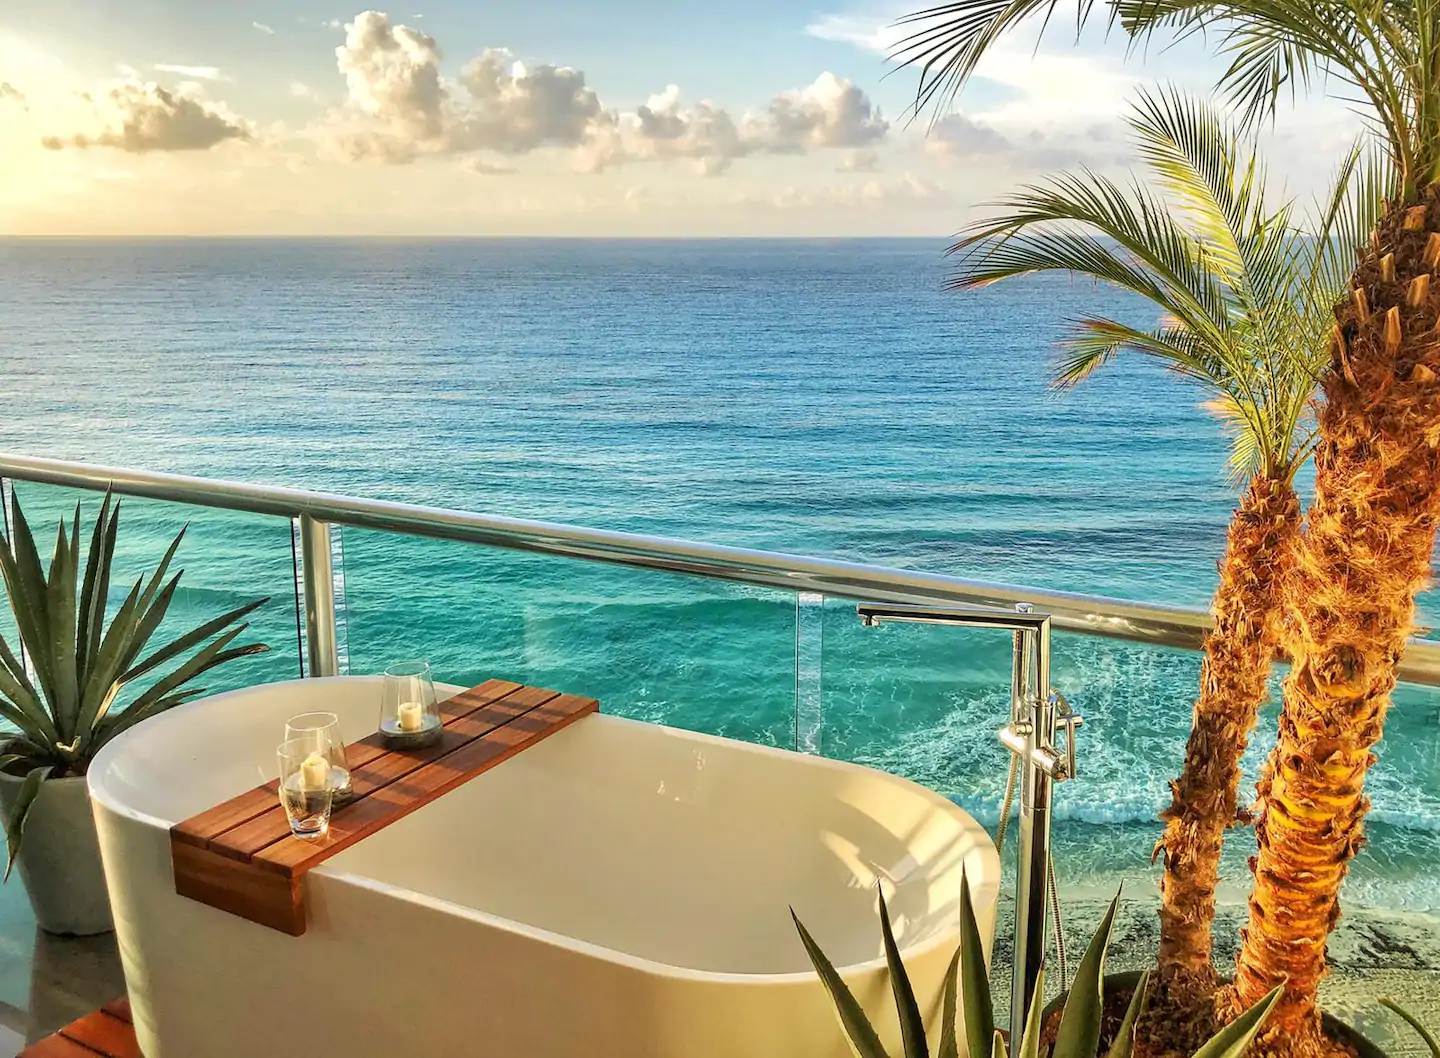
x: 702, y: 655
x: 749, y: 645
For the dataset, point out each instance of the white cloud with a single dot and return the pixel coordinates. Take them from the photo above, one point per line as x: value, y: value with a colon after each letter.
x: 832, y: 112
x: 139, y: 116
x: 960, y: 140
x: 663, y: 128
x: 872, y: 33
x: 301, y: 90
x: 393, y: 75
x: 959, y: 136
x: 263, y: 28
x: 334, y: 23
x: 866, y: 160
x: 400, y: 107
x: 202, y: 73
x: 513, y: 109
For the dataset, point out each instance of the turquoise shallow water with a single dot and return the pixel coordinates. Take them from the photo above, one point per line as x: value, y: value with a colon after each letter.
x: 817, y: 397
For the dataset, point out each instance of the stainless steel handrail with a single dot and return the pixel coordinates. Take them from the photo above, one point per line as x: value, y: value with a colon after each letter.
x: 1159, y: 625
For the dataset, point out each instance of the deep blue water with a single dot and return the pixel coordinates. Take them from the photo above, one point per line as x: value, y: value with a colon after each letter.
x: 821, y: 397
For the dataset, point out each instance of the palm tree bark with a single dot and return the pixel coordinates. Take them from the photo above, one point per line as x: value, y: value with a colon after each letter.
x: 1362, y: 559
x: 1233, y: 677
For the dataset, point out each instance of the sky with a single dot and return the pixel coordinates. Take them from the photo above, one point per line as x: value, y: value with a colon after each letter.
x: 553, y: 117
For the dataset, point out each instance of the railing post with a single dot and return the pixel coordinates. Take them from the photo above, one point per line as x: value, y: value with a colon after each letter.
x: 1035, y: 718
x: 319, y: 576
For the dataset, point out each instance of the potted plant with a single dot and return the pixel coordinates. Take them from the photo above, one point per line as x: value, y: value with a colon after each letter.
x: 65, y: 705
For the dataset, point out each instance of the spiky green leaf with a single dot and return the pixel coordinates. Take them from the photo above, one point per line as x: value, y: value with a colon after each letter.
x: 975, y: 998
x: 190, y: 639
x: 1414, y: 1022
x: 949, y: 1041
x: 94, y: 591
x: 60, y: 605
x: 1124, y: 1041
x: 16, y: 687
x: 113, y: 646
x: 19, y: 812
x: 1079, y: 1033
x: 1234, y: 1039
x: 857, y: 1026
x: 25, y: 587
x: 1030, y: 1041
x: 160, y: 697
x: 912, y: 1026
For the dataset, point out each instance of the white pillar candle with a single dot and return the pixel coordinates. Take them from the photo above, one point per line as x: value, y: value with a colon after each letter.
x: 412, y: 716
x: 314, y: 772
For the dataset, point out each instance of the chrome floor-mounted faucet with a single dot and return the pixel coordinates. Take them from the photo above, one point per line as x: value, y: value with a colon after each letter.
x: 1036, y: 712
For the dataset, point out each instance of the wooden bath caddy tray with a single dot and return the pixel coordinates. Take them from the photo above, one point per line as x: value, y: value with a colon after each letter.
x: 240, y: 856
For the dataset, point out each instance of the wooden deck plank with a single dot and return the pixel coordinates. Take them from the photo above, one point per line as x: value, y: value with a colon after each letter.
x: 105, y: 1034
x: 58, y: 1046
x: 242, y: 859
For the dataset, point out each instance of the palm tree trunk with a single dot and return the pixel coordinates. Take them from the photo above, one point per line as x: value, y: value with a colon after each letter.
x: 1233, y: 677
x: 1362, y: 559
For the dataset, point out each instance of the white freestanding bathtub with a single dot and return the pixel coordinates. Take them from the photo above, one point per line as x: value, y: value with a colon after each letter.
x: 620, y: 889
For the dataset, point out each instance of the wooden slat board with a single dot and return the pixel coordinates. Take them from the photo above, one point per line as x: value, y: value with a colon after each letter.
x: 107, y: 1033
x: 241, y: 857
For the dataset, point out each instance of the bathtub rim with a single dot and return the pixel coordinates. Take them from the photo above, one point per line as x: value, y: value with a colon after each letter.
x: 989, y: 888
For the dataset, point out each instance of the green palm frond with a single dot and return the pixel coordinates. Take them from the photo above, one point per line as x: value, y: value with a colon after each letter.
x: 947, y: 41
x: 1385, y: 55
x: 1382, y: 56
x: 1247, y: 456
x: 1244, y: 290
x: 1087, y: 224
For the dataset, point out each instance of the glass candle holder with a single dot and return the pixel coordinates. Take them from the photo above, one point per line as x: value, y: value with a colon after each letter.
x: 322, y: 731
x: 409, y: 717
x: 306, y: 788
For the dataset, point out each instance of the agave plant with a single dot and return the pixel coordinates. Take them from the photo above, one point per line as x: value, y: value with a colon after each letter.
x: 967, y: 980
x: 80, y: 664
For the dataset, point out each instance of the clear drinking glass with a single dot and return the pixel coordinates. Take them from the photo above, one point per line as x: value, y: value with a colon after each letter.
x: 322, y: 730
x: 408, y: 714
x: 306, y: 787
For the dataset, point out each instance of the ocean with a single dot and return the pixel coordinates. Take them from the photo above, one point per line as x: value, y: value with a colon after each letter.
x: 821, y: 397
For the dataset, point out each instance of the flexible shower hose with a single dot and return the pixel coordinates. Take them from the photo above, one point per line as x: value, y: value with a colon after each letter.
x: 1005, y: 809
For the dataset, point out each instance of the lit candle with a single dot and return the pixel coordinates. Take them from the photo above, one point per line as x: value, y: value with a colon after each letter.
x: 412, y: 716
x: 314, y: 772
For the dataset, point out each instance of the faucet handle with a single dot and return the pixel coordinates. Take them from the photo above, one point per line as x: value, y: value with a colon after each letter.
x: 1070, y: 720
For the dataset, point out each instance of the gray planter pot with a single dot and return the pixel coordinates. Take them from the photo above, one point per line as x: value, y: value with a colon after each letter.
x: 60, y: 857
